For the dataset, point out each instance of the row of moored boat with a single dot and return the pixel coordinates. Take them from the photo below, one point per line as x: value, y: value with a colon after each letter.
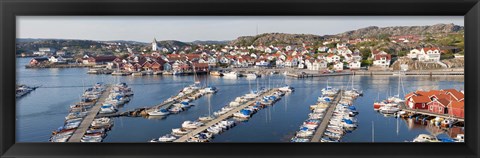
x: 223, y: 125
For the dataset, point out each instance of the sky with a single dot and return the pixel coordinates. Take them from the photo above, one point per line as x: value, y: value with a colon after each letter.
x: 191, y: 28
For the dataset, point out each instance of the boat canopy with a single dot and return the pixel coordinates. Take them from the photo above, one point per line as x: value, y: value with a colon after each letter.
x: 245, y: 112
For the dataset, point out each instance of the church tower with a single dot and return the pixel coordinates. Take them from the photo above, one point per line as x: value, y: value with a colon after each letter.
x: 154, y: 44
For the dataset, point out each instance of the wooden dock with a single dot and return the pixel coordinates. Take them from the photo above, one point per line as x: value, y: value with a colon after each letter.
x: 80, y: 131
x: 428, y: 113
x: 326, y: 119
x: 221, y: 118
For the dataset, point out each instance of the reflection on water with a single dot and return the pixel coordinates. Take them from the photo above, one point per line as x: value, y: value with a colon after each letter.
x: 44, y: 109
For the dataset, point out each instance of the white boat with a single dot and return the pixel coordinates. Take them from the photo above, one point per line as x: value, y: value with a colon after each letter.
x: 459, y: 138
x: 210, y: 90
x: 389, y: 109
x: 251, y: 75
x: 206, y: 118
x: 107, y: 108
x: 191, y: 124
x: 286, y: 89
x: 214, y: 130
x: 102, y: 122
x: 231, y: 74
x: 179, y: 131
x: 165, y: 138
x: 175, y: 109
x: 159, y: 112
x: 425, y: 138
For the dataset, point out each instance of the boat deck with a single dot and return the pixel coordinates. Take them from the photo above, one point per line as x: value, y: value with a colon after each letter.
x: 326, y: 119
x: 222, y: 117
x: 80, y: 131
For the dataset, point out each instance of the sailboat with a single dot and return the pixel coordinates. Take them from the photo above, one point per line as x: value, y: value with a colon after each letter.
x: 396, y: 98
x: 209, y: 89
x: 209, y: 117
x: 353, y: 92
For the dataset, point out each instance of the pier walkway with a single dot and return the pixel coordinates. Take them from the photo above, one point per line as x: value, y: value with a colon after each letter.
x: 326, y: 119
x: 221, y: 117
x: 80, y: 131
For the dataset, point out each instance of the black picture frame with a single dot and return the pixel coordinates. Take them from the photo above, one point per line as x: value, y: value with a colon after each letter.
x: 9, y: 9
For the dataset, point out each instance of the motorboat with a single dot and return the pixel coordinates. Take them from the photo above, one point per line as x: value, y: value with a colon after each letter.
x: 191, y: 124
x: 243, y: 113
x: 389, y: 109
x: 286, y: 88
x: 210, y: 90
x: 299, y: 140
x: 165, y: 138
x: 175, y: 109
x: 102, y: 122
x: 206, y: 118
x: 179, y: 131
x: 425, y: 138
x: 231, y: 74
x: 107, y: 108
x: 159, y: 112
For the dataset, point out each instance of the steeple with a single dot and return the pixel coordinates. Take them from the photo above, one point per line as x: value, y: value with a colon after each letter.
x: 154, y: 44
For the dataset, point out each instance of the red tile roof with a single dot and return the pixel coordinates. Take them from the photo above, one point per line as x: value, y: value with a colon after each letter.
x: 421, y: 99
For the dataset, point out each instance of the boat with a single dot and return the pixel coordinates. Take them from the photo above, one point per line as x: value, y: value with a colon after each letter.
x: 231, y: 74
x: 286, y: 88
x: 425, y: 138
x: 459, y: 138
x: 206, y: 118
x: 107, y: 108
x: 165, y: 138
x: 191, y: 124
x: 102, y: 122
x: 159, y: 112
x: 175, y: 109
x: 448, y: 122
x: 210, y: 90
x: 243, y: 113
x: 252, y: 75
x: 179, y: 131
x: 299, y: 140
x: 216, y: 73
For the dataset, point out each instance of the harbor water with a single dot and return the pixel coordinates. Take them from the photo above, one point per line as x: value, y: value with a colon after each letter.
x: 44, y: 110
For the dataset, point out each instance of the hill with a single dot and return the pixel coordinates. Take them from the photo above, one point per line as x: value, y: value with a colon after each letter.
x: 374, y: 31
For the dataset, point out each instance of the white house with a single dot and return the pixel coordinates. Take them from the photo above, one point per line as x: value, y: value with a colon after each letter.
x: 382, y: 60
x: 425, y: 54
x: 279, y: 63
x: 322, y: 49
x: 318, y: 65
x: 354, y: 65
x: 291, y: 62
x: 333, y: 58
x: 338, y: 66
x: 57, y: 59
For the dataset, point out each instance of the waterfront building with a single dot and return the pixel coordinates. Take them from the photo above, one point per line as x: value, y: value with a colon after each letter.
x: 425, y: 54
x: 38, y: 61
x: 382, y: 59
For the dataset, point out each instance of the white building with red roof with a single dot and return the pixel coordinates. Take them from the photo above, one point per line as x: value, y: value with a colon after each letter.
x: 425, y: 54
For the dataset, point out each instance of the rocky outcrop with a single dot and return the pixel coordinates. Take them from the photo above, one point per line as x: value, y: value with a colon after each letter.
x: 374, y: 31
x: 418, y: 65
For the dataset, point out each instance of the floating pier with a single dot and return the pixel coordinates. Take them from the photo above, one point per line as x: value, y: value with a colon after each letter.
x: 80, y: 131
x: 328, y: 115
x: 222, y: 117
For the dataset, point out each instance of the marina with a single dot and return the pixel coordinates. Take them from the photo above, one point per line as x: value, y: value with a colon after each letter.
x: 272, y: 121
x: 87, y: 121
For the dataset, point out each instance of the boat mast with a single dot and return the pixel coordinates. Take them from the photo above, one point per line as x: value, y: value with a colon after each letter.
x: 373, y: 131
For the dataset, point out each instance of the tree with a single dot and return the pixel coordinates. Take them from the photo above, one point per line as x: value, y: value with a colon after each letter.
x: 366, y: 63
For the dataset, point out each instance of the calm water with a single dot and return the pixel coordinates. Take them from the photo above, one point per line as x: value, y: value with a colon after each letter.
x: 44, y: 109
